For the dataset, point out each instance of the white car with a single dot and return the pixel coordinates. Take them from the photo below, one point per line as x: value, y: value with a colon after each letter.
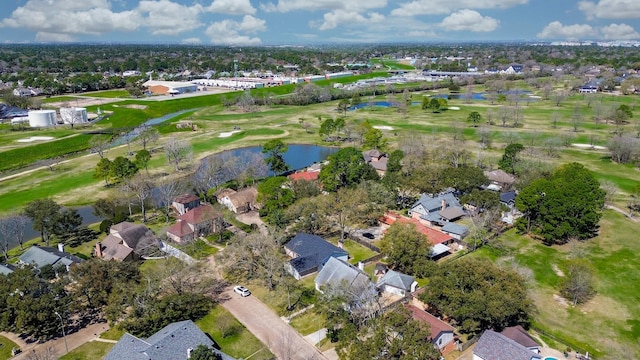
x: 243, y: 291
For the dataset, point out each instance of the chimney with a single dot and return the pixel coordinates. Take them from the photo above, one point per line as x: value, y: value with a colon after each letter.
x: 444, y: 205
x: 61, y: 247
x: 189, y: 351
x: 99, y: 249
x: 361, y: 265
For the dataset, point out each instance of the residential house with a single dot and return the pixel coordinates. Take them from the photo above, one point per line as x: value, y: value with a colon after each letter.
x: 521, y: 336
x: 499, y: 180
x: 438, y: 239
x: 41, y: 256
x: 508, y: 199
x: 200, y: 221
x: 241, y: 201
x: 127, y: 242
x: 183, y: 203
x: 175, y: 341
x: 513, y: 69
x: 377, y: 159
x: 496, y: 346
x: 304, y: 175
x: 441, y: 333
x: 454, y: 230
x: 337, y: 272
x: 309, y: 252
x: 437, y: 209
x: 397, y: 283
x: 21, y: 92
x: 6, y: 269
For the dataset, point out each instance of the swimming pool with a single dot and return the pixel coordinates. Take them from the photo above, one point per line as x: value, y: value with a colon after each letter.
x: 550, y: 358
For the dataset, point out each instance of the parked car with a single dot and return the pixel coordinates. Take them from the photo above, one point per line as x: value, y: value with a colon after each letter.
x: 242, y: 291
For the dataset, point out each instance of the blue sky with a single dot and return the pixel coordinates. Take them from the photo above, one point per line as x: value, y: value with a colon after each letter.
x: 277, y: 22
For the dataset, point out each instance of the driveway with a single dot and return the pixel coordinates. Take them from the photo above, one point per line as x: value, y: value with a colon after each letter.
x: 283, y: 340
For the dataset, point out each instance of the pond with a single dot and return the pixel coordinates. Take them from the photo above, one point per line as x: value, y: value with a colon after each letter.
x: 297, y: 157
x: 372, y: 103
x: 155, y: 121
x: 86, y: 212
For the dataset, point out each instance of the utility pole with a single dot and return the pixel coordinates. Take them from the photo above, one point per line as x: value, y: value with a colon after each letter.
x: 64, y: 335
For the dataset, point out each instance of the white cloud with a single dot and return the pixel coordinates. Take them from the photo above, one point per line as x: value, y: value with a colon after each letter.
x: 422, y: 34
x: 62, y: 20
x: 437, y: 7
x: 191, y: 41
x: 165, y: 17
x: 619, y: 32
x: 338, y: 17
x: 230, y: 32
x: 469, y: 20
x: 310, y: 5
x: 232, y: 7
x: 555, y: 30
x: 611, y: 9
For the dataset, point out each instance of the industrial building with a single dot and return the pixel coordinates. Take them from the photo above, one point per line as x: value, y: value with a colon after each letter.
x: 158, y: 87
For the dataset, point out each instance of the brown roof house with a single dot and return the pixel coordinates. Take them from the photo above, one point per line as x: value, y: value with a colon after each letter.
x: 500, y: 180
x: 127, y: 242
x: 183, y: 203
x: 521, y: 336
x: 241, y: 201
x: 377, y: 159
x: 441, y: 332
x: 200, y: 221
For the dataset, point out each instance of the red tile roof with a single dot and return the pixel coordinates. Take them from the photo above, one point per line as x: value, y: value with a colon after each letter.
x: 435, y: 236
x: 199, y: 214
x: 180, y: 229
x: 436, y: 325
x: 305, y: 175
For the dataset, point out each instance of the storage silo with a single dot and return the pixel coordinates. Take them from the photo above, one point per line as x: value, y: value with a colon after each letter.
x: 42, y: 118
x: 74, y: 115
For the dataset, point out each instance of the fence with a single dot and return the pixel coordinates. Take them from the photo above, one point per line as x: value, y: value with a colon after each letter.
x: 364, y: 243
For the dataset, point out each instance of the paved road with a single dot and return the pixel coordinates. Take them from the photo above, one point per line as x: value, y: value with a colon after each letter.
x: 283, y: 341
x: 56, y: 347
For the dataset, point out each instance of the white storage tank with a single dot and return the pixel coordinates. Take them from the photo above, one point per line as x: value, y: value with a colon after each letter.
x: 74, y: 115
x: 42, y: 118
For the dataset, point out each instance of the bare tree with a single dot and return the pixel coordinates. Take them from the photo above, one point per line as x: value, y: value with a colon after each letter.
x: 484, y: 133
x: 254, y: 168
x: 576, y: 118
x: 610, y: 190
x: 177, y: 151
x: 555, y: 119
x: 70, y: 115
x: 98, y: 144
x: 246, y: 102
x: 46, y: 354
x: 558, y: 97
x: 504, y: 114
x: 141, y: 186
x: 167, y: 189
x: 11, y: 232
x: 148, y: 135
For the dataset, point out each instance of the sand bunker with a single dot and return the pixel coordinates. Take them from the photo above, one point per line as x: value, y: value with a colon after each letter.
x: 35, y: 138
x: 588, y: 146
x: 453, y: 108
x: 227, y: 134
x: 382, y: 127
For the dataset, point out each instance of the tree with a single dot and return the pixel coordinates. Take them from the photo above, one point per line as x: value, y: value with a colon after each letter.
x: 407, y: 250
x: 463, y: 178
x: 98, y: 144
x: 395, y: 335
x: 566, y: 205
x: 275, y: 150
x: 67, y: 223
x: 478, y: 295
x: 142, y: 159
x: 167, y: 189
x: 44, y: 214
x: 177, y: 151
x: 373, y: 139
x: 274, y: 194
x: 577, y: 286
x: 622, y: 114
x: 103, y: 170
x: 202, y: 352
x: 12, y: 232
x: 148, y: 135
x: 141, y: 186
x: 394, y: 164
x: 510, y: 158
x: 474, y: 118
x: 346, y: 168
x: 121, y: 169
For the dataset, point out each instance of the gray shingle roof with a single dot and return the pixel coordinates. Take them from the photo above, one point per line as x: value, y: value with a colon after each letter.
x: 454, y: 228
x: 495, y: 346
x: 312, y: 251
x: 434, y: 202
x: 336, y: 271
x: 41, y: 256
x: 397, y: 280
x: 170, y: 343
x: 6, y: 269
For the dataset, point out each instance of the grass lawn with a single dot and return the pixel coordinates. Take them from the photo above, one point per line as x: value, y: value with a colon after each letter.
x: 358, y: 252
x: 241, y: 344
x: 607, y: 325
x: 5, y: 347
x: 89, y: 351
x: 118, y: 93
x: 199, y: 249
x: 308, y: 322
x: 114, y: 333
